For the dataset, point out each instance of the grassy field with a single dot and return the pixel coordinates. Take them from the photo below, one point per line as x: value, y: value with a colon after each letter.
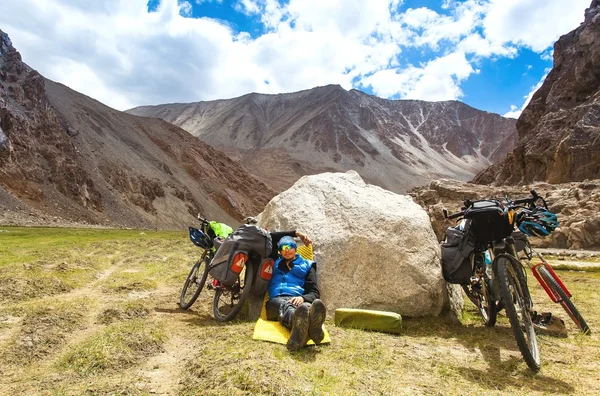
x: 95, y: 312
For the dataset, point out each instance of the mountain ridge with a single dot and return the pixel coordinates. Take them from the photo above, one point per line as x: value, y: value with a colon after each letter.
x: 396, y: 144
x: 68, y: 156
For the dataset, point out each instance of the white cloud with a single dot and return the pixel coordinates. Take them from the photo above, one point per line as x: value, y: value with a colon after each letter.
x: 515, y: 111
x: 434, y: 28
x: 121, y: 54
x: 437, y: 80
x: 248, y: 7
x: 532, y: 23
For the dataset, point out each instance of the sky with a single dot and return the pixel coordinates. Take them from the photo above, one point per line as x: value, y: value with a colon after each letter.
x: 490, y: 54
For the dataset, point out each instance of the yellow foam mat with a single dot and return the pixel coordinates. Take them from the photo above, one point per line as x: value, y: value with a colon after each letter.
x: 273, y: 331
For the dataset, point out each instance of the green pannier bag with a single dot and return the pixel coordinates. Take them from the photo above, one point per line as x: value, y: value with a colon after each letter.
x: 365, y: 319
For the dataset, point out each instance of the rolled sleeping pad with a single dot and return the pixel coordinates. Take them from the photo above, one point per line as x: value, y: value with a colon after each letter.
x: 365, y: 319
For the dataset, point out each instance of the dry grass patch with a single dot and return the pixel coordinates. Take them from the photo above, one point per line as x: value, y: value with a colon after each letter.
x: 125, y: 311
x: 118, y: 346
x: 44, y: 328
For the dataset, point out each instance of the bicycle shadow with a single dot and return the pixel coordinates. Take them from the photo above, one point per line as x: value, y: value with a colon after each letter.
x: 195, y: 318
x: 490, y: 345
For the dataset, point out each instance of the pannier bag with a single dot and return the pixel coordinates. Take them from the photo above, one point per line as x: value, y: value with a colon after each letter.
x: 264, y: 273
x: 490, y: 221
x: 233, y: 254
x: 456, y: 264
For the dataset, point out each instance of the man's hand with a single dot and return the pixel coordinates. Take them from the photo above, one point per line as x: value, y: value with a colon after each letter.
x: 305, y: 240
x: 296, y: 301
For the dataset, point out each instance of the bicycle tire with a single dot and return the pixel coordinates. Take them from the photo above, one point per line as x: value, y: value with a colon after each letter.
x: 192, y: 279
x: 511, y: 295
x: 488, y: 311
x: 564, y: 300
x: 230, y: 310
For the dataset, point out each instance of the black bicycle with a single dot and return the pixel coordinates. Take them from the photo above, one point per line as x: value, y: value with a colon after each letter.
x: 205, y: 239
x: 229, y: 296
x: 488, y: 227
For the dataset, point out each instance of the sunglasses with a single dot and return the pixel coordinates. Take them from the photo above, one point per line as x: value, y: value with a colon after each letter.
x: 284, y: 248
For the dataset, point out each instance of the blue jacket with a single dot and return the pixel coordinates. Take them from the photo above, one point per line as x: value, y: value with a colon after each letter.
x: 291, y: 283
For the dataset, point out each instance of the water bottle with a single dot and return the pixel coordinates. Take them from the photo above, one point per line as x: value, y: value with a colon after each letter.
x: 488, y: 264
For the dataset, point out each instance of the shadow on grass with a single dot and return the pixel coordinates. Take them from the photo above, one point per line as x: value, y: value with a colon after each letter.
x: 487, y: 342
x: 190, y: 317
x: 306, y: 354
x: 502, y: 379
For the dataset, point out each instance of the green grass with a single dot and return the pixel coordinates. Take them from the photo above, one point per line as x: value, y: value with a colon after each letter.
x: 99, y: 307
x: 23, y: 245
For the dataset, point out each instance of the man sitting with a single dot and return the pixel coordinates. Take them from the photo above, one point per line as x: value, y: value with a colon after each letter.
x: 294, y: 296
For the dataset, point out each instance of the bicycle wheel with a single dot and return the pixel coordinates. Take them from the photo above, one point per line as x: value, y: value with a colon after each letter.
x: 229, y: 300
x: 480, y: 295
x: 517, y: 309
x: 194, y: 283
x: 564, y: 300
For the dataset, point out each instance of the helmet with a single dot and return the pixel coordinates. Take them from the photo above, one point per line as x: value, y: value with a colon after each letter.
x: 250, y: 220
x: 199, y: 238
x: 287, y: 240
x: 538, y: 222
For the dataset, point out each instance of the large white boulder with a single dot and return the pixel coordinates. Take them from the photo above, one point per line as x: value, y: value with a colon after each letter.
x: 374, y: 249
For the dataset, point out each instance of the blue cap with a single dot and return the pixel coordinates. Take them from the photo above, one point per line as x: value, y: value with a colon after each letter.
x: 287, y: 240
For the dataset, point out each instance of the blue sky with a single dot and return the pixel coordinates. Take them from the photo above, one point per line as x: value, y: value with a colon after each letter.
x: 490, y: 54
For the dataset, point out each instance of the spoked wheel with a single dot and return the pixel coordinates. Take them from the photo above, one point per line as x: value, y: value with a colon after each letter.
x: 517, y: 309
x: 194, y: 283
x: 480, y: 295
x: 229, y: 300
x: 564, y: 300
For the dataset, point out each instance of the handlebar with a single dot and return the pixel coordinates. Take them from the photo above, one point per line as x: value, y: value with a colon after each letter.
x: 453, y: 215
x: 202, y: 219
x: 511, y: 204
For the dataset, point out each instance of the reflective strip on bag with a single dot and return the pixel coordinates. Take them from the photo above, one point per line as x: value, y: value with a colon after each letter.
x: 266, y: 272
x: 239, y: 260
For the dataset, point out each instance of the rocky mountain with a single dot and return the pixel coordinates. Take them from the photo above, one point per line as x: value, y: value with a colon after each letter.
x: 577, y: 205
x: 559, y: 131
x: 65, y: 156
x: 396, y: 144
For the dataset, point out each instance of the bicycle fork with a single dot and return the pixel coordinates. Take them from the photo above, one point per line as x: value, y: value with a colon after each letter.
x: 553, y: 297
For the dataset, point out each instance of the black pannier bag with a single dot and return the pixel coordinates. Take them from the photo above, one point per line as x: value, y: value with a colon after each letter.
x: 490, y: 221
x: 234, y: 252
x: 264, y: 273
x: 456, y: 263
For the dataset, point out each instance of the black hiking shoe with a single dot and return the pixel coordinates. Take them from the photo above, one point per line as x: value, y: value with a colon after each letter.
x: 316, y: 318
x: 299, y: 335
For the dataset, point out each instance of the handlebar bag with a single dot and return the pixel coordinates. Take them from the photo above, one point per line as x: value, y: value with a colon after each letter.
x: 456, y: 263
x: 520, y: 240
x: 490, y: 221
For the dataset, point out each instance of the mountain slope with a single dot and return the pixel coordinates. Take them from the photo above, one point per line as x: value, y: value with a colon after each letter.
x: 559, y: 132
x: 64, y: 154
x: 396, y: 144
